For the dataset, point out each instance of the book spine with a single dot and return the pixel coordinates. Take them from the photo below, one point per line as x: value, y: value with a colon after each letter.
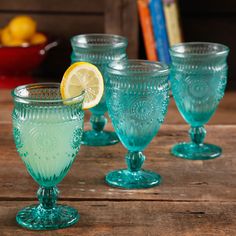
x: 146, y: 25
x: 159, y: 28
x: 172, y: 21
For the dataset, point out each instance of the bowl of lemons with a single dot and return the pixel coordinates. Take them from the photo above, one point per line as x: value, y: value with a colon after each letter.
x: 22, y: 49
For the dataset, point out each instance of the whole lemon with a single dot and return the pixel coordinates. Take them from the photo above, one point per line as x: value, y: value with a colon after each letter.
x: 22, y: 27
x: 38, y: 38
x: 8, y: 40
x: 0, y: 35
x: 6, y: 36
x: 16, y: 42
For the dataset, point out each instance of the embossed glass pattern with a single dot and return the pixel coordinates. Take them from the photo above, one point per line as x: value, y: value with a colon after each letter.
x: 198, y: 80
x: 47, y: 133
x: 100, y: 50
x: 137, y: 94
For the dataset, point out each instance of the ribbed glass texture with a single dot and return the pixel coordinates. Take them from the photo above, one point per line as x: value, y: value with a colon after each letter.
x: 47, y: 133
x: 100, y: 50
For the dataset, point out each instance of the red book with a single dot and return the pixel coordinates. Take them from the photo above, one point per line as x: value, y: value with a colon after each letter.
x: 146, y: 24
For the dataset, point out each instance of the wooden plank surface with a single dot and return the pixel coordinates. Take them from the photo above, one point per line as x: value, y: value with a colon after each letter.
x: 62, y: 26
x: 183, y: 180
x: 130, y: 26
x: 106, y: 218
x: 113, y: 17
x: 52, y: 6
x: 121, y: 17
x: 195, y: 198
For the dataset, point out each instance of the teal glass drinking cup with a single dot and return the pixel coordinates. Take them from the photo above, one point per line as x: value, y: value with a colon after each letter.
x: 198, y: 80
x: 137, y: 94
x: 100, y: 50
x: 47, y: 133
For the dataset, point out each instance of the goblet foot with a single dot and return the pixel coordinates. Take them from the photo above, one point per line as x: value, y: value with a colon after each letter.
x: 35, y: 217
x: 193, y: 151
x: 102, y: 138
x: 133, y: 180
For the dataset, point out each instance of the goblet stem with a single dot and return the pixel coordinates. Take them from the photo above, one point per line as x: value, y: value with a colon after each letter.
x: 48, y: 214
x: 97, y: 136
x: 134, y: 160
x: 47, y: 196
x: 98, y: 122
x: 196, y: 149
x: 197, y: 134
x: 133, y: 177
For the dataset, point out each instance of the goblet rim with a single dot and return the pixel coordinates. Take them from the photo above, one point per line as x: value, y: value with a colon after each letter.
x: 24, y: 99
x: 123, y: 42
x: 158, y: 68
x: 222, y: 49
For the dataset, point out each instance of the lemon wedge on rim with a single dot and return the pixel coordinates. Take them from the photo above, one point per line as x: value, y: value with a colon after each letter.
x: 83, y: 76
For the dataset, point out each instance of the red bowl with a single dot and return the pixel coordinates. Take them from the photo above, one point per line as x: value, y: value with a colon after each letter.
x: 17, y: 63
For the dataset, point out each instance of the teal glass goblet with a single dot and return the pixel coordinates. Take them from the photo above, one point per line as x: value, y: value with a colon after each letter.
x: 47, y: 133
x: 137, y: 94
x: 100, y: 50
x: 198, y: 80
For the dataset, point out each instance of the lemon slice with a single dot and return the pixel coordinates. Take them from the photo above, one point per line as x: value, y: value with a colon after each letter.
x: 83, y: 76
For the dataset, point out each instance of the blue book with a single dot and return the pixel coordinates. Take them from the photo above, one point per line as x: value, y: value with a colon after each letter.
x: 159, y: 29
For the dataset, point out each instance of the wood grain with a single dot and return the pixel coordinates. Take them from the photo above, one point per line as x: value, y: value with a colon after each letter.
x: 183, y: 180
x: 64, y: 26
x: 196, y: 198
x: 130, y: 26
x: 120, y: 17
x: 53, y: 6
x: 105, y: 218
x: 113, y: 17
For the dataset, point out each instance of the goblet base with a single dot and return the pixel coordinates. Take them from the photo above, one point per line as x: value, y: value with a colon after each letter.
x: 102, y: 138
x: 35, y: 217
x: 133, y: 180
x: 193, y: 151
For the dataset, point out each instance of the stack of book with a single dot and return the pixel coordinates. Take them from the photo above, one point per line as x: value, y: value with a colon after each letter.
x: 160, y: 26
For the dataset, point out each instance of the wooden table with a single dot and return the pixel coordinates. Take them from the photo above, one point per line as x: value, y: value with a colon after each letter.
x: 195, y: 198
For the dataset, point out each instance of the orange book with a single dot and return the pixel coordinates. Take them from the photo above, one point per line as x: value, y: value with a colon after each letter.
x: 146, y: 24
